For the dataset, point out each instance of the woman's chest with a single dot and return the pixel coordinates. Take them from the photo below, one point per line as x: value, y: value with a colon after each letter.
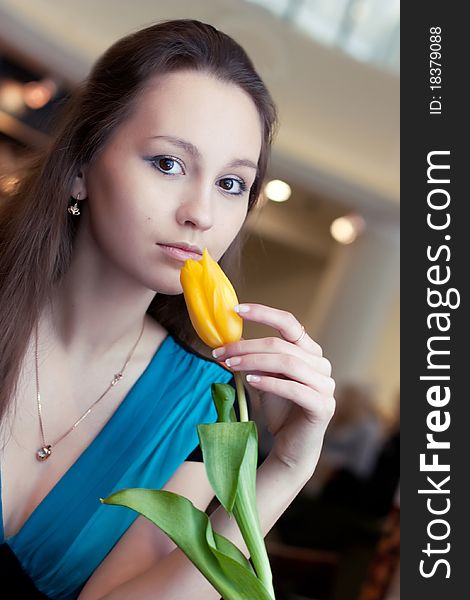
x: 26, y: 480
x: 68, y: 420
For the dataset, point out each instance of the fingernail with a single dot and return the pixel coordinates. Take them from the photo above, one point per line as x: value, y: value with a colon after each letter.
x: 235, y: 360
x: 253, y: 378
x: 218, y: 352
x: 241, y: 308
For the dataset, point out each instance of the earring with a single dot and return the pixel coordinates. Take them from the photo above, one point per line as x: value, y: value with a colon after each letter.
x: 74, y: 210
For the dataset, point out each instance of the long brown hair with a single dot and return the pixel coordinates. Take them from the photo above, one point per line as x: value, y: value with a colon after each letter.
x: 36, y: 231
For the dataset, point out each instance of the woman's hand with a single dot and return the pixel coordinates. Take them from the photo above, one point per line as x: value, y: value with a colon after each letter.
x: 294, y: 384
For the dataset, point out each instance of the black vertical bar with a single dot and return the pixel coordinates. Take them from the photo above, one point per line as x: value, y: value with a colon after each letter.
x: 434, y: 547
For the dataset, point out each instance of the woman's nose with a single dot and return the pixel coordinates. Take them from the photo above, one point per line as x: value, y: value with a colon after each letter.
x: 196, y: 209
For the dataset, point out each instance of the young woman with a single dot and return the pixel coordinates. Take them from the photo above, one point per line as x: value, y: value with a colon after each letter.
x: 161, y: 153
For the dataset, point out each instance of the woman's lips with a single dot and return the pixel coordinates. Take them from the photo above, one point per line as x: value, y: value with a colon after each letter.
x: 179, y: 253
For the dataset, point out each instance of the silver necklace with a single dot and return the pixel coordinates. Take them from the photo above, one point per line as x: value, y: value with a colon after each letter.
x: 45, y: 451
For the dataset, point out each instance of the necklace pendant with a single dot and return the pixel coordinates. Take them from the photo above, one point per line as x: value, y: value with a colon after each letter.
x: 43, y: 453
x: 116, y: 378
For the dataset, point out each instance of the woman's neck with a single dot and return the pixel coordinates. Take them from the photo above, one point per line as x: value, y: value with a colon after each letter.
x: 95, y: 308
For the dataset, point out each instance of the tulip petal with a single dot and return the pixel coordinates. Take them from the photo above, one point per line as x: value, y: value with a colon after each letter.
x: 229, y: 324
x: 210, y: 299
x: 198, y: 309
x: 221, y: 298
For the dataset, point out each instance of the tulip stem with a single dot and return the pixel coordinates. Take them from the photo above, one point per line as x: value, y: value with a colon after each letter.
x: 241, y: 396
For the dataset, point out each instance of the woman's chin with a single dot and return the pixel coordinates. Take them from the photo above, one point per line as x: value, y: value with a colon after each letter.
x: 168, y: 288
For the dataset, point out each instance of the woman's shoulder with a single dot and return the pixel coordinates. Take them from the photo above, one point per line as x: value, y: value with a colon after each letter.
x: 181, y: 361
x: 201, y: 359
x: 198, y: 359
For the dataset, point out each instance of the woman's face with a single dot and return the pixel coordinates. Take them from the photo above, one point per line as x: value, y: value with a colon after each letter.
x: 177, y: 171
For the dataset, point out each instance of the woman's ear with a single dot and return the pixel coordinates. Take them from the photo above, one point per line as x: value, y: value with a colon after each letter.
x: 79, y: 185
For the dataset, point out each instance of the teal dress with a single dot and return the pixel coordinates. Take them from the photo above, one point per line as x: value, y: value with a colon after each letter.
x: 142, y: 445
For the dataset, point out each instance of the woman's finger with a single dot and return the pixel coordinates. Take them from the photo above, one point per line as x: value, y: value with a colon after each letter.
x: 291, y: 367
x: 288, y: 326
x: 274, y: 345
x: 317, y: 406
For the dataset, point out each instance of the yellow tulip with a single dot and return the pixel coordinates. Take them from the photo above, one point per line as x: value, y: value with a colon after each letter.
x: 210, y: 299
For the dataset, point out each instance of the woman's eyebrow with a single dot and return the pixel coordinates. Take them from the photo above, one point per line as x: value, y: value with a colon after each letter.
x: 193, y: 151
x: 176, y: 141
x: 242, y: 162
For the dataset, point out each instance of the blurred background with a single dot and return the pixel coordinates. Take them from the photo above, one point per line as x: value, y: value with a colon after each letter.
x: 324, y: 246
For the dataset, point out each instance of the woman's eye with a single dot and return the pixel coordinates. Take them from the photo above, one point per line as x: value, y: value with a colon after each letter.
x: 167, y: 165
x: 233, y: 186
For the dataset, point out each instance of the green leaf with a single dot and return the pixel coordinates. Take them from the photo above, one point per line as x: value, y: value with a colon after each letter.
x: 223, y: 396
x: 218, y: 559
x: 246, y: 512
x: 225, y: 546
x: 223, y: 448
x: 230, y: 453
